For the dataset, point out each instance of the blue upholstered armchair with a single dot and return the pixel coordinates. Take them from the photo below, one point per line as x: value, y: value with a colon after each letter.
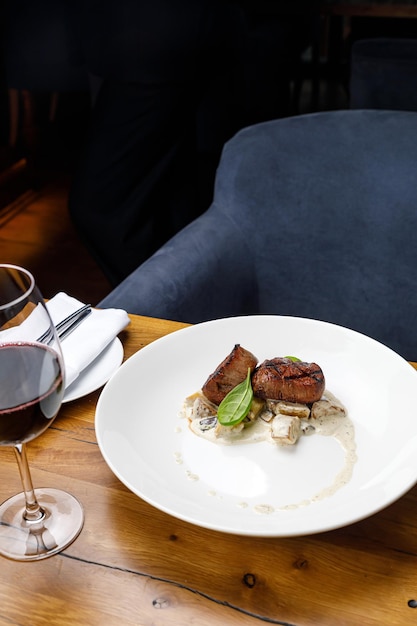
x: 313, y: 216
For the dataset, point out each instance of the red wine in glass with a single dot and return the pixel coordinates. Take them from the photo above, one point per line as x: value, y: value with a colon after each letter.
x: 32, y: 387
x: 33, y: 525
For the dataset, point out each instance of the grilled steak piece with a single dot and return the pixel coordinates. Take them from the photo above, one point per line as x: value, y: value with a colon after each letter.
x: 232, y: 371
x: 284, y: 379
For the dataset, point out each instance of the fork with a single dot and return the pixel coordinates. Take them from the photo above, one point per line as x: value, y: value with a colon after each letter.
x: 67, y: 325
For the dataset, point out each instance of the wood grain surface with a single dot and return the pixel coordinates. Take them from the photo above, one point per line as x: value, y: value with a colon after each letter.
x: 134, y: 565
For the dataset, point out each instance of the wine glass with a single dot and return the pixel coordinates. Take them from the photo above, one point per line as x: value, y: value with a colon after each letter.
x: 32, y: 383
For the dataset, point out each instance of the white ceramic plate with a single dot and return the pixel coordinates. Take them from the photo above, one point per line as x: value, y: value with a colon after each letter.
x: 97, y: 373
x: 261, y: 489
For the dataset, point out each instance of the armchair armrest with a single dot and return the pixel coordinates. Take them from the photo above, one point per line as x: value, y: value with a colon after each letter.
x: 203, y: 272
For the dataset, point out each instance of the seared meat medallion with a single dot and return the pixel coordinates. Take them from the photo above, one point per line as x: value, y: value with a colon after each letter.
x: 284, y: 379
x: 280, y: 378
x: 231, y: 371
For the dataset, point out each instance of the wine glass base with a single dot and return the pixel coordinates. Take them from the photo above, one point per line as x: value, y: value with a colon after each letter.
x: 29, y: 541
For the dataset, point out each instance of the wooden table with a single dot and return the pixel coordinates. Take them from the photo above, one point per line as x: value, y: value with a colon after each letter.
x: 134, y: 565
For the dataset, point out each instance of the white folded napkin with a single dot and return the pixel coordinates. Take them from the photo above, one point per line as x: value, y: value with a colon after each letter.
x: 90, y: 338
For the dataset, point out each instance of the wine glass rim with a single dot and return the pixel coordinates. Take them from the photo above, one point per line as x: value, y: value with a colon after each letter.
x: 28, y: 290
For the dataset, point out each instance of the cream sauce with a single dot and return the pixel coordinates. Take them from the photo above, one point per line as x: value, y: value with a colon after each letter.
x: 332, y: 424
x: 337, y: 425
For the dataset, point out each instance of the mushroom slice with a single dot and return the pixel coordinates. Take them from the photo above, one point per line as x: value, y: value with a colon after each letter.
x: 255, y: 410
x: 228, y: 432
x: 279, y: 407
x: 197, y: 405
x: 327, y: 406
x: 205, y: 423
x: 285, y: 429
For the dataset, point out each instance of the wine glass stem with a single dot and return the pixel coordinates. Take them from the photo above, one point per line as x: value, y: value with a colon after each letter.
x: 33, y: 512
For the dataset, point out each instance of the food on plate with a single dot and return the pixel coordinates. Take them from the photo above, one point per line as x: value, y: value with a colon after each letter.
x: 231, y: 371
x: 285, y: 379
x: 286, y: 429
x: 236, y: 405
x: 279, y: 400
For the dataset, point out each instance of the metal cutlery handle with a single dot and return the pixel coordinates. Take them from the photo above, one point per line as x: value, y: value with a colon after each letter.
x: 67, y: 325
x: 75, y: 322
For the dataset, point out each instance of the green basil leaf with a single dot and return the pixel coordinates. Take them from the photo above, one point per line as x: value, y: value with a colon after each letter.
x: 292, y: 358
x: 235, y: 406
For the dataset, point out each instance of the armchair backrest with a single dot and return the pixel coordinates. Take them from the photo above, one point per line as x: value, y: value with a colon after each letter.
x: 327, y: 206
x: 313, y: 216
